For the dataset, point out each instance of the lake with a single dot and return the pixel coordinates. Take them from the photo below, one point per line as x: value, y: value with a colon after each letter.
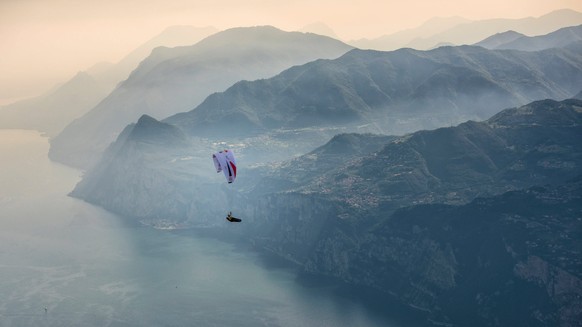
x: 64, y: 262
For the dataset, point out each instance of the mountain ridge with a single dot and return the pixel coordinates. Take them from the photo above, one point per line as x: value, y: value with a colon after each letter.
x: 427, y: 163
x: 456, y: 32
x: 177, y: 79
x: 375, y: 88
x: 560, y: 38
x: 428, y: 250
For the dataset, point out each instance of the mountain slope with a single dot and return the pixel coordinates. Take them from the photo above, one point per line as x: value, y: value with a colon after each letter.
x: 530, y: 145
x: 494, y: 41
x: 560, y: 38
x: 469, y: 32
x: 389, y: 92
x: 175, y: 80
x: 510, y: 260
x: 402, y: 38
x: 428, y: 218
x: 341, y: 149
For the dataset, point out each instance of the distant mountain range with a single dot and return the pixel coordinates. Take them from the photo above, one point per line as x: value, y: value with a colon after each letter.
x: 500, y: 39
x: 402, y: 39
x: 516, y: 41
x: 458, y: 31
x: 173, y: 80
x: 389, y: 92
x: 51, y: 112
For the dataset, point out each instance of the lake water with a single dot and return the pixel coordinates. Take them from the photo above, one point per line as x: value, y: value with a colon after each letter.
x: 64, y: 262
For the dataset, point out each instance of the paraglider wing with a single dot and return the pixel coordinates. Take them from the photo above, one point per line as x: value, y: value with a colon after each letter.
x: 224, y: 161
x: 218, y: 159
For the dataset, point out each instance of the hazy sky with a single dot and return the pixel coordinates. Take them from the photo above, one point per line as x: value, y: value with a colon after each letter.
x: 43, y: 42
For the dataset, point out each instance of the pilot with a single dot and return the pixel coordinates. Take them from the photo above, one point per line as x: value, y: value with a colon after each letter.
x: 232, y: 219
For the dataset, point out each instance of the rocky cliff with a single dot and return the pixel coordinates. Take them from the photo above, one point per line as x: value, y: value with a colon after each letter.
x: 444, y: 233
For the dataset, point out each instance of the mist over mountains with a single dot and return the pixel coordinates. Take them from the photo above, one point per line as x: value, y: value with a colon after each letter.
x: 173, y: 80
x: 440, y: 219
x: 275, y: 119
x: 516, y: 41
x: 459, y: 31
x: 389, y: 92
x: 448, y: 179
x: 51, y: 112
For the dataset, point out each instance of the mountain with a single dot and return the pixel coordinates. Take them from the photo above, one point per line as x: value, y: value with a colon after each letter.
x: 402, y: 38
x: 560, y: 38
x: 319, y: 28
x: 173, y: 36
x: 531, y: 145
x: 293, y: 173
x: 471, y: 32
x: 177, y: 79
x: 517, y: 148
x: 166, y: 177
x: 443, y: 220
x: 476, y: 224
x: 499, y: 39
x: 52, y: 111
x: 508, y: 260
x: 388, y: 92
x: 276, y: 119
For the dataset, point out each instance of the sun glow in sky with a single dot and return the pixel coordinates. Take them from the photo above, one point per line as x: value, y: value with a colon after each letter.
x: 44, y: 42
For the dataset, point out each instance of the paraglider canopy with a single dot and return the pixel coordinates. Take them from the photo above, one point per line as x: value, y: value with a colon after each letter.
x: 224, y: 161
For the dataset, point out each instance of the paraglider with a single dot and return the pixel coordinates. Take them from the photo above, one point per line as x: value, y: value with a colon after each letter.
x: 224, y: 161
x: 232, y: 219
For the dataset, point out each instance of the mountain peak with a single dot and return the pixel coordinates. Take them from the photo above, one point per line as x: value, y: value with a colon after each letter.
x: 498, y: 39
x: 561, y: 13
x: 544, y: 112
x: 251, y: 35
x: 150, y: 130
x: 319, y: 28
